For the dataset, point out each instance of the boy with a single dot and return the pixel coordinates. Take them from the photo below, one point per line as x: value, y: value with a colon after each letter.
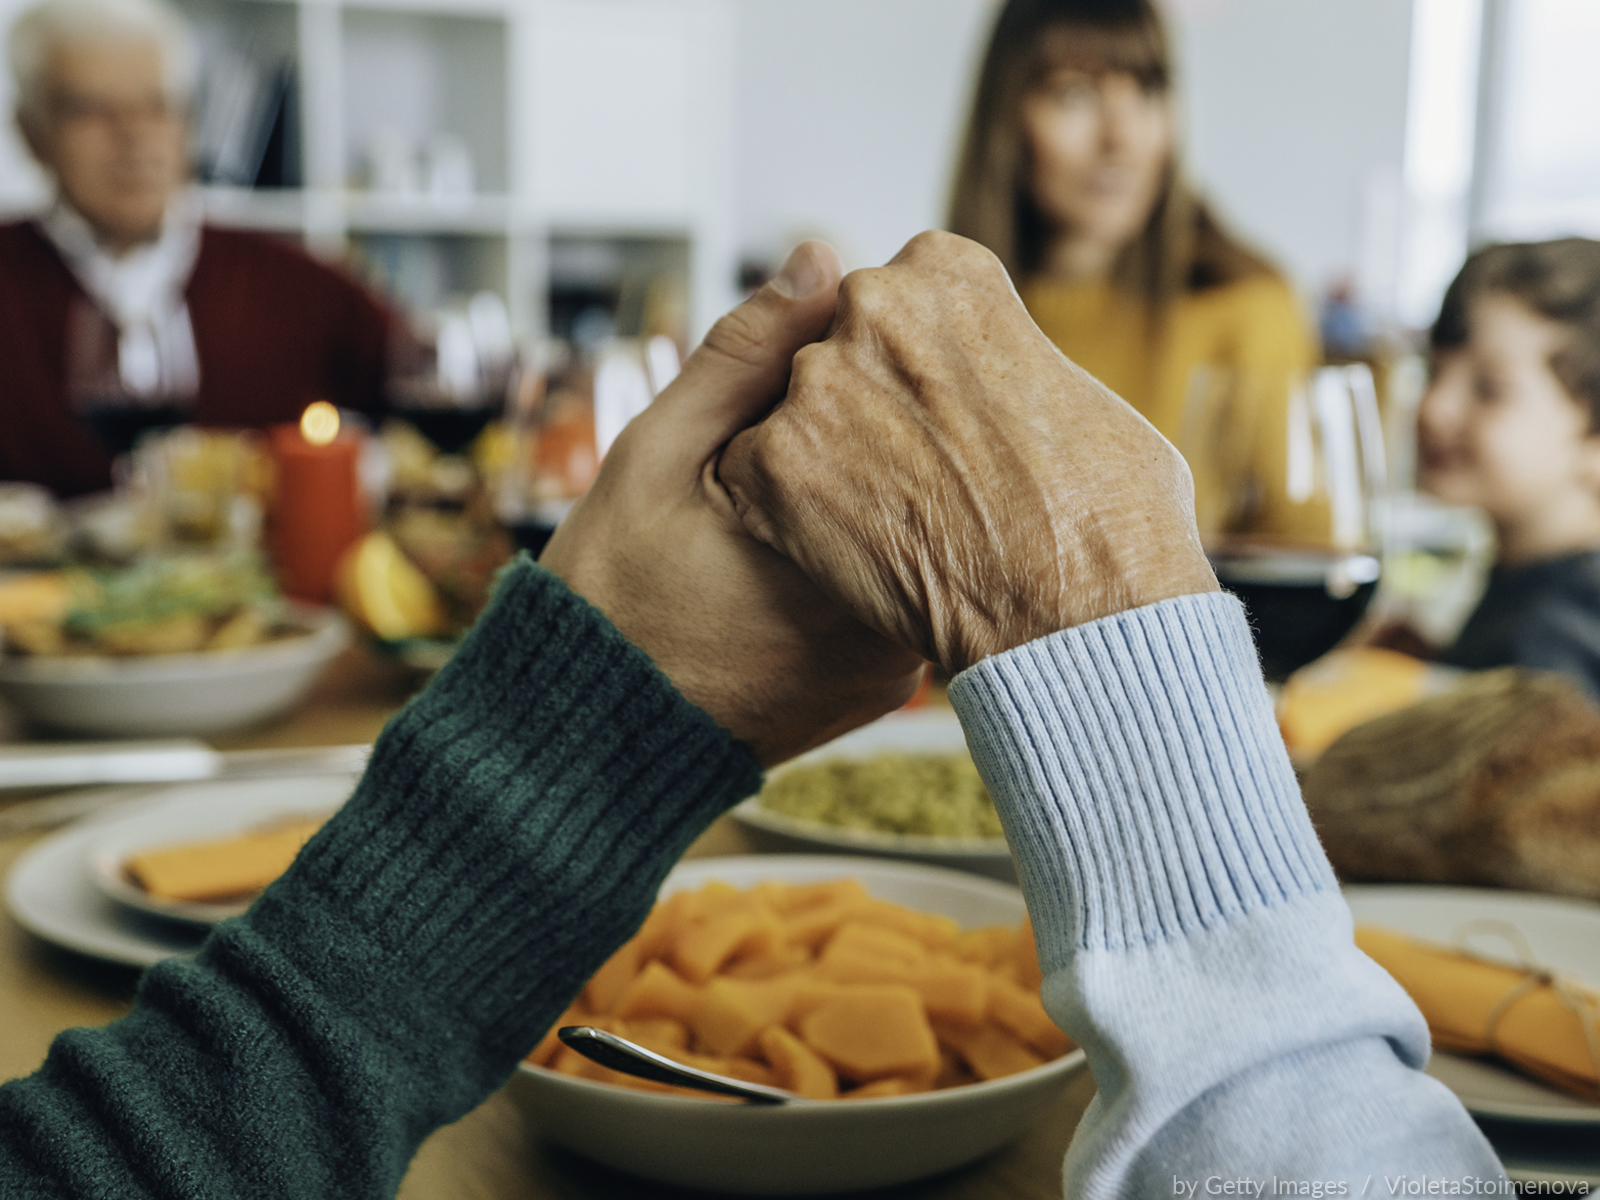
x: 1511, y: 424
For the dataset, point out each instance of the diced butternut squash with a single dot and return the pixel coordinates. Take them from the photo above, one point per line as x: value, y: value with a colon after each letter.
x: 708, y: 943
x: 751, y: 1071
x: 893, y: 1085
x: 608, y: 984
x: 790, y: 898
x: 987, y: 945
x: 658, y: 991
x: 769, y: 961
x: 992, y: 1052
x: 873, y: 1031
x: 660, y: 929
x: 875, y: 941
x: 860, y: 953
x: 954, y: 991
x: 661, y: 1034
x: 1023, y: 1014
x: 733, y: 1011
x: 932, y: 931
x: 953, y: 1069
x: 814, y: 925
x: 798, y: 1067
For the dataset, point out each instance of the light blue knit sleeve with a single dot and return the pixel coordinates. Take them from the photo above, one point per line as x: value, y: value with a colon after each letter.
x: 1191, y: 932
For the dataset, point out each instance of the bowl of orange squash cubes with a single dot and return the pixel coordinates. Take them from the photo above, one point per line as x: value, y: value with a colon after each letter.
x: 901, y: 1001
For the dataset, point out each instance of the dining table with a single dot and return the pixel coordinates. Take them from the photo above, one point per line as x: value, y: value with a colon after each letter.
x: 491, y: 1153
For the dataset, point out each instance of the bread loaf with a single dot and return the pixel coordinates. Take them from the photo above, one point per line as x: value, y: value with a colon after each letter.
x: 1494, y: 784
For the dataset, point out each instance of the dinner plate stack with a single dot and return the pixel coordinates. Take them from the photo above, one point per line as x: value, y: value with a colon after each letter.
x: 1541, y: 1133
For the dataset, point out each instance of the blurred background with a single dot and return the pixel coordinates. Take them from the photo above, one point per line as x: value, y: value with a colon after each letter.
x: 545, y: 149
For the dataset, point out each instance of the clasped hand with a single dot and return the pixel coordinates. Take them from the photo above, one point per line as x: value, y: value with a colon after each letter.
x: 852, y: 476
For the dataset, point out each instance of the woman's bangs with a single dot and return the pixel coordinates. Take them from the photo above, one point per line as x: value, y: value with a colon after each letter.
x: 1134, y: 48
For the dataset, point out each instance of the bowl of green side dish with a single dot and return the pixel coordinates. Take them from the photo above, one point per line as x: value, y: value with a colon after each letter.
x: 188, y: 644
x: 902, y: 787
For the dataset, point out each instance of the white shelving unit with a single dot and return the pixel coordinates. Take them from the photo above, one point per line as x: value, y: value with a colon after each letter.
x: 598, y: 123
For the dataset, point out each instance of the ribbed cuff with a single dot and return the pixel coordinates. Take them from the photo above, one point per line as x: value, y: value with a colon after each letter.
x: 511, y: 830
x: 1140, y: 776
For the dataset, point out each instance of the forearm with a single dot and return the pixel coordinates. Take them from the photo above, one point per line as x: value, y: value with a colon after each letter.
x: 1191, y: 932
x: 510, y: 832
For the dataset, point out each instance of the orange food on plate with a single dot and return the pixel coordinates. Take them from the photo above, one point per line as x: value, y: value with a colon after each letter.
x: 222, y: 869
x: 1346, y: 688
x: 820, y: 989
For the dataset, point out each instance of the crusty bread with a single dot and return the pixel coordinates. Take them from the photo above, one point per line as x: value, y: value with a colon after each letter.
x: 1496, y: 783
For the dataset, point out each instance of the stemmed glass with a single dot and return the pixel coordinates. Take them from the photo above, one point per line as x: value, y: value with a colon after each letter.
x: 1289, y: 484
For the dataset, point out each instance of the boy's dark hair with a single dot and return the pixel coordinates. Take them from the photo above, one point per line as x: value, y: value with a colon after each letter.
x: 1559, y: 280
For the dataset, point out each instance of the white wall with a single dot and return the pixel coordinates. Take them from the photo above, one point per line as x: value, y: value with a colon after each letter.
x: 1297, y: 117
x: 22, y: 185
x: 847, y: 116
x: 849, y: 112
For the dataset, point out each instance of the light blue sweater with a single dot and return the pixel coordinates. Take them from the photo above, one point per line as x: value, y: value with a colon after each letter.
x: 1192, y: 935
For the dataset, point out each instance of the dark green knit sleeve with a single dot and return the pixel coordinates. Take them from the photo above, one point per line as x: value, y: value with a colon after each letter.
x: 509, y: 833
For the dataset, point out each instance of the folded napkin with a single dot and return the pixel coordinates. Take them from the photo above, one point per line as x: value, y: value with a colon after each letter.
x: 1534, y: 1019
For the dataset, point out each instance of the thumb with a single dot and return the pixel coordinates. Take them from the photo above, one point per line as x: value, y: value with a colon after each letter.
x: 742, y: 367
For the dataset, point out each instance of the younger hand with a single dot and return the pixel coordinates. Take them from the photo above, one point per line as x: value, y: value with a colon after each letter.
x: 657, y: 546
x: 940, y: 467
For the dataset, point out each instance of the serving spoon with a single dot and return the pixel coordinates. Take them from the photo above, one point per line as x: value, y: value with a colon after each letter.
x: 620, y: 1054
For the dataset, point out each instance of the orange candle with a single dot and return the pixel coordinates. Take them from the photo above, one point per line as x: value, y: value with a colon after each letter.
x: 317, y: 510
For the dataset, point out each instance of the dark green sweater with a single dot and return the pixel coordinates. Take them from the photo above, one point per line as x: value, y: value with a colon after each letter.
x: 509, y: 834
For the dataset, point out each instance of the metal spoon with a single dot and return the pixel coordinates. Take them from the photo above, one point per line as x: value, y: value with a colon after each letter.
x: 620, y: 1054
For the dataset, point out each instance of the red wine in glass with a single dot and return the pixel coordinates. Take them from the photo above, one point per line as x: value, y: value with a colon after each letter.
x: 118, y: 427
x: 1301, y: 601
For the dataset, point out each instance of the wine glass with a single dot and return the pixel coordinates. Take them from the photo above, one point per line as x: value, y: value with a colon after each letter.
x: 568, y: 404
x: 1289, y: 483
x: 116, y: 414
x: 450, y: 379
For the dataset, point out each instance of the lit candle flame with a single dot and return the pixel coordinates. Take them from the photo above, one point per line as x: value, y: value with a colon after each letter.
x: 319, y: 424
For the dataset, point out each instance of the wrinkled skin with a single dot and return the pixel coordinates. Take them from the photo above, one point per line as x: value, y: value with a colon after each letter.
x: 940, y: 468
x: 657, y: 546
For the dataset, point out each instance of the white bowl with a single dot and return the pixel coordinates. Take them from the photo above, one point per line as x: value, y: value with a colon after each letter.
x: 848, y: 1145
x: 210, y: 691
x: 919, y: 732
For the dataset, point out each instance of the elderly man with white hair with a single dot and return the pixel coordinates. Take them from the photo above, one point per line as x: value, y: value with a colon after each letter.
x: 119, y: 307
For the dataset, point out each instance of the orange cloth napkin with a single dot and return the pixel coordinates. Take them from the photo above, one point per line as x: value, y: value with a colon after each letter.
x: 1542, y: 1024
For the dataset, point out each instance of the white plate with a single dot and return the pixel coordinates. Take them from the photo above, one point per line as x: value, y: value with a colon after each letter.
x: 1561, y: 933
x: 193, y: 818
x: 50, y: 895
x: 921, y: 732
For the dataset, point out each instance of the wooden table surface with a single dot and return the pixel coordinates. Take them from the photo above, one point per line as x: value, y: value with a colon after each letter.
x: 490, y: 1154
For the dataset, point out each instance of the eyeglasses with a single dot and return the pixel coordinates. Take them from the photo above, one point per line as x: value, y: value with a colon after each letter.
x: 82, y: 110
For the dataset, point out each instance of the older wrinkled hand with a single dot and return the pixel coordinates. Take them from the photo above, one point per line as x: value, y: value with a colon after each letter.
x: 943, y: 470
x: 657, y: 546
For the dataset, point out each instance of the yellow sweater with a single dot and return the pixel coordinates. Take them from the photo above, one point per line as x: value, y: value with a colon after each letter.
x: 1256, y: 325
x: 1255, y: 328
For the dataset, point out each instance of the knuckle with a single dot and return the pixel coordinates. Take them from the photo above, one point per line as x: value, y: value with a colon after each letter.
x: 865, y: 293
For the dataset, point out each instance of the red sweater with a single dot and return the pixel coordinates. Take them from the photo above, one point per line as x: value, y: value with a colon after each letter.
x: 274, y: 328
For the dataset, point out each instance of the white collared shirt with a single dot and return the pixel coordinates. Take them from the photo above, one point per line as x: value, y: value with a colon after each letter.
x: 142, y: 294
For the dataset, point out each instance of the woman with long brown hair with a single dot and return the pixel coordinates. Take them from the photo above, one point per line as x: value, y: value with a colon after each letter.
x: 1071, y: 174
